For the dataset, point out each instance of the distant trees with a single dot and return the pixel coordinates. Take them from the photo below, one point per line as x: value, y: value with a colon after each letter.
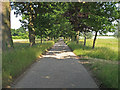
x: 117, y: 30
x: 64, y: 27
x: 117, y: 34
x: 87, y: 35
x: 19, y: 33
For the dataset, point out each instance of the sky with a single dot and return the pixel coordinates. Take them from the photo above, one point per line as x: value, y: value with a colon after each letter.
x: 15, y: 23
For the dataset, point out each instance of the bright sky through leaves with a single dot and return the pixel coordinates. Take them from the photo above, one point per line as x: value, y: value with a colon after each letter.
x: 15, y: 23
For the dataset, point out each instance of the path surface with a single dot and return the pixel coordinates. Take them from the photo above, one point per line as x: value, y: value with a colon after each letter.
x: 59, y: 68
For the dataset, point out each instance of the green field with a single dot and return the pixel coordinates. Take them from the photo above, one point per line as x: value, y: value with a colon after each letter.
x: 16, y: 60
x: 104, y: 49
x: 102, y: 60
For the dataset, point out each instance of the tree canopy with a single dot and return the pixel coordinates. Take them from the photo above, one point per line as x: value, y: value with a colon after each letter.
x: 65, y: 19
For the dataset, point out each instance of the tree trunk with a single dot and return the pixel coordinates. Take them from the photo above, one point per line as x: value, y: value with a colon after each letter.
x: 31, y: 32
x: 94, y: 39
x: 41, y: 39
x: 84, y: 41
x: 1, y: 45
x: 77, y: 37
x: 7, y: 41
x: 31, y: 37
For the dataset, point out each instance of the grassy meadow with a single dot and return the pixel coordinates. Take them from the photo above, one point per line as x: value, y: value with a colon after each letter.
x: 102, y: 60
x: 16, y: 60
x: 104, y: 49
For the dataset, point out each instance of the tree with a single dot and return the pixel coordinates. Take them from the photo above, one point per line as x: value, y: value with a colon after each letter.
x: 100, y: 17
x: 50, y: 21
x: 75, y: 16
x: 27, y: 9
x: 42, y: 21
x: 7, y: 41
x: 97, y: 16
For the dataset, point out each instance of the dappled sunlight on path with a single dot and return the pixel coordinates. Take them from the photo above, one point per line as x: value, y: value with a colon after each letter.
x: 58, y: 68
x: 60, y: 51
x: 60, y: 55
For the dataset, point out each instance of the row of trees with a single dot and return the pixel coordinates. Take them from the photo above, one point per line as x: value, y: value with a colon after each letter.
x: 65, y: 19
x: 43, y: 19
x: 95, y: 16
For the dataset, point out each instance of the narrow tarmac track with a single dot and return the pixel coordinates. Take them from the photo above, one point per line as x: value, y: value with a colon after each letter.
x: 58, y: 68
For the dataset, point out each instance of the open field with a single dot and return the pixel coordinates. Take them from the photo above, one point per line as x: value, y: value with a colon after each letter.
x: 105, y: 37
x: 16, y: 60
x: 105, y: 66
x: 102, y: 37
x: 104, y: 49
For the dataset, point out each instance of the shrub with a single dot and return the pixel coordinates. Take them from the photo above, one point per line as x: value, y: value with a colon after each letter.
x: 20, y: 37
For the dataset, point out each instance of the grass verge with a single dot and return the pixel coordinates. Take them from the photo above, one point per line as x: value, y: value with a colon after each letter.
x: 15, y: 61
x: 105, y: 49
x: 105, y: 69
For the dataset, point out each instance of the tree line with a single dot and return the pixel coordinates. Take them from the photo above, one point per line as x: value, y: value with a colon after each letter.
x: 60, y: 19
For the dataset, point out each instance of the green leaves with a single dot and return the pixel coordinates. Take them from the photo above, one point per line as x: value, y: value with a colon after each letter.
x: 97, y: 15
x: 48, y: 17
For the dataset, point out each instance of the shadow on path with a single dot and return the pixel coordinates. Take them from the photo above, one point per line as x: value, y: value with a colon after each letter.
x: 58, y: 68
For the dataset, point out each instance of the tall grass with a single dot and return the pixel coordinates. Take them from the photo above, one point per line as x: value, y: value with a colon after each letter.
x: 105, y: 68
x: 105, y: 49
x: 16, y: 60
x: 105, y: 72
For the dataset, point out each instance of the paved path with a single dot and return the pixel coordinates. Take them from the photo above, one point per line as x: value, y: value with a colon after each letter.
x: 59, y: 68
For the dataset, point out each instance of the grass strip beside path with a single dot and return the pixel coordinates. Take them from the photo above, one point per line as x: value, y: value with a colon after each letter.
x: 105, y: 49
x: 105, y: 72
x: 105, y: 68
x: 15, y: 61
